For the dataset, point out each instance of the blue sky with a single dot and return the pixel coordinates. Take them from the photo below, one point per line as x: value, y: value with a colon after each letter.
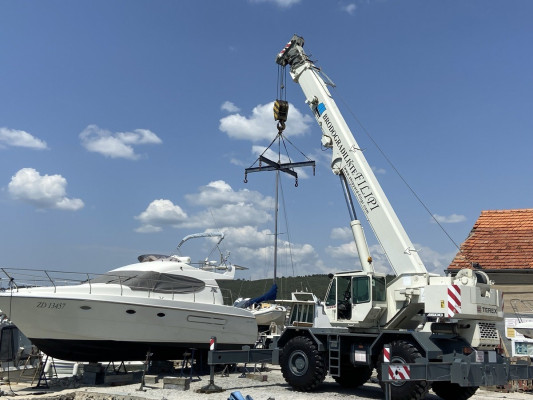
x: 126, y: 125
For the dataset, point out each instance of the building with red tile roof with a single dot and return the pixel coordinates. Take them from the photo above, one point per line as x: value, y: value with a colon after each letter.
x: 501, y: 245
x: 499, y: 240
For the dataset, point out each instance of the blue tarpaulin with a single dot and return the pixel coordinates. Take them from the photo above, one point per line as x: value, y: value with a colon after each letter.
x: 270, y: 295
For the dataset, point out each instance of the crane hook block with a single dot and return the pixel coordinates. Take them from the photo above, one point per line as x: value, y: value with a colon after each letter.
x: 281, y: 110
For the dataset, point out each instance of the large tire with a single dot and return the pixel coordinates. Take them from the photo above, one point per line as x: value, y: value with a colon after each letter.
x: 302, y: 365
x: 353, y: 377
x: 452, y: 391
x: 403, y: 352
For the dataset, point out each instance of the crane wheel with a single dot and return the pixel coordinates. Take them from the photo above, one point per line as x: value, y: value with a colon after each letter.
x: 353, y: 377
x: 403, y: 352
x: 302, y: 365
x: 452, y: 391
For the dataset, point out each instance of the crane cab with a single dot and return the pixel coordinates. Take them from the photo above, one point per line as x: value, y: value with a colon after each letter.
x: 356, y: 299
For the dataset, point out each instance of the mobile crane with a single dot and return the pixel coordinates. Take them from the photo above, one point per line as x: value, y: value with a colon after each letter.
x: 418, y: 318
x: 419, y: 331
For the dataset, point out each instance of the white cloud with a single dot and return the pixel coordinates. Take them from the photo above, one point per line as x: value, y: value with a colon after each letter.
x: 236, y: 162
x: 218, y: 193
x: 116, y: 145
x: 160, y: 212
x: 350, y: 8
x: 434, y: 261
x: 343, y: 233
x: 139, y: 136
x: 346, y: 257
x: 147, y: 228
x: 229, y: 107
x: 48, y: 191
x: 279, y: 3
x: 346, y: 254
x: 254, y: 248
x: 222, y: 207
x: 450, y: 219
x: 228, y: 215
x: 18, y: 138
x: 261, y: 124
x: 242, y: 215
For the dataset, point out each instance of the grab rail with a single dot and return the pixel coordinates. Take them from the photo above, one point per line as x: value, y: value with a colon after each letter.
x: 20, y: 278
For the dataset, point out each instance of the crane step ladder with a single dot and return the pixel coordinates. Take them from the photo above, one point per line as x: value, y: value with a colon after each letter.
x: 334, y: 356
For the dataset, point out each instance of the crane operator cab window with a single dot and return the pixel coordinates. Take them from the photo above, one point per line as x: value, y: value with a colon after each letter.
x: 345, y: 292
x: 379, y: 286
x: 361, y: 292
x: 339, y: 295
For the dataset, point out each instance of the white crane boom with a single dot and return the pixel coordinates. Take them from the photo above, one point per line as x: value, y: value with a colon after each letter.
x: 349, y: 162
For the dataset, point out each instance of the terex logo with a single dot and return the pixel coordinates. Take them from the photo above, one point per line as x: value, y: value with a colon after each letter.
x: 486, y: 310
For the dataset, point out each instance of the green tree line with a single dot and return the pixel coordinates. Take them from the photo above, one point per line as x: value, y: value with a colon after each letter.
x: 232, y: 290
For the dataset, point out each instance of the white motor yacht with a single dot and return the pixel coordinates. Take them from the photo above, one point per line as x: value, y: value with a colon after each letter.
x: 162, y: 305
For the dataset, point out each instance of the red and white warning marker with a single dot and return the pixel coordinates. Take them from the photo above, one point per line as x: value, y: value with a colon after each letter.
x: 454, y: 300
x: 399, y: 372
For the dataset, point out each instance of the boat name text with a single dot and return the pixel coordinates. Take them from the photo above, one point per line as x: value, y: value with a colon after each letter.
x: 46, y: 304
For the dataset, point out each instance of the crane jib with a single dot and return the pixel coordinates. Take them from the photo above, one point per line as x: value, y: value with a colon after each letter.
x: 361, y: 188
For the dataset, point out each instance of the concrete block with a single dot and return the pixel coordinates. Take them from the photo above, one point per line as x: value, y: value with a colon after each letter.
x: 92, y: 367
x: 151, y: 379
x: 92, y: 378
x: 120, y: 379
x: 176, y: 383
x: 258, y: 377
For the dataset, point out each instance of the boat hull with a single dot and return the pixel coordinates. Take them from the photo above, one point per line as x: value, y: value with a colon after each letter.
x: 273, y: 313
x: 112, y: 350
x: 119, y: 328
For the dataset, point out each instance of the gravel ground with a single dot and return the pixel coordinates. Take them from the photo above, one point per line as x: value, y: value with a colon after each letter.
x: 274, y: 388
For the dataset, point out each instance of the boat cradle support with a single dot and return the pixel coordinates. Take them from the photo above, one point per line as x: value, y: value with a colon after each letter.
x: 247, y: 355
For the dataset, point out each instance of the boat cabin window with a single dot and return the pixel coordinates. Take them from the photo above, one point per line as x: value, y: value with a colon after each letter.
x: 153, y: 281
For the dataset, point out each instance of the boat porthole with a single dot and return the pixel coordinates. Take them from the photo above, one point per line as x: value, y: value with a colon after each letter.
x: 85, y: 307
x: 160, y: 314
x: 131, y: 311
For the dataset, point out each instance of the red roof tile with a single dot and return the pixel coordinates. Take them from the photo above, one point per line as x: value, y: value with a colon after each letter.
x: 500, y: 239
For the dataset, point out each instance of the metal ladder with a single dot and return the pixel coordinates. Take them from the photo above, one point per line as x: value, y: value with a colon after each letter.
x: 334, y: 355
x: 526, y: 307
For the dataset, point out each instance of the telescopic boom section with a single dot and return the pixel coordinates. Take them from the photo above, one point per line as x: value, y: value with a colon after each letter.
x: 348, y: 160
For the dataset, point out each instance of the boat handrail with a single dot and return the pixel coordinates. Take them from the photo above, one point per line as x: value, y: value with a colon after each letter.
x: 51, y: 281
x: 26, y: 278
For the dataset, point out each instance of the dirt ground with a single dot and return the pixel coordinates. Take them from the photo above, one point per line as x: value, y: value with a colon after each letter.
x: 266, y: 385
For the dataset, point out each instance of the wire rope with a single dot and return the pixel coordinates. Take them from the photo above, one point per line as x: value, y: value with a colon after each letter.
x: 413, y: 192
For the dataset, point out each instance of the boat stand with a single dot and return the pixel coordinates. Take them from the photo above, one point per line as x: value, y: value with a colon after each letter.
x: 42, y: 382
x: 189, y: 361
x: 117, y: 370
x: 146, y: 364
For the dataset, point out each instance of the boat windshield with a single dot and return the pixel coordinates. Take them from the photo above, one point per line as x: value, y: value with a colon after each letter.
x: 153, y: 281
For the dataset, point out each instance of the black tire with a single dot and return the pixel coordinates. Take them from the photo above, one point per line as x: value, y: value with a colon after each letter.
x: 452, y: 391
x: 353, y: 377
x: 302, y: 365
x: 403, y: 352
